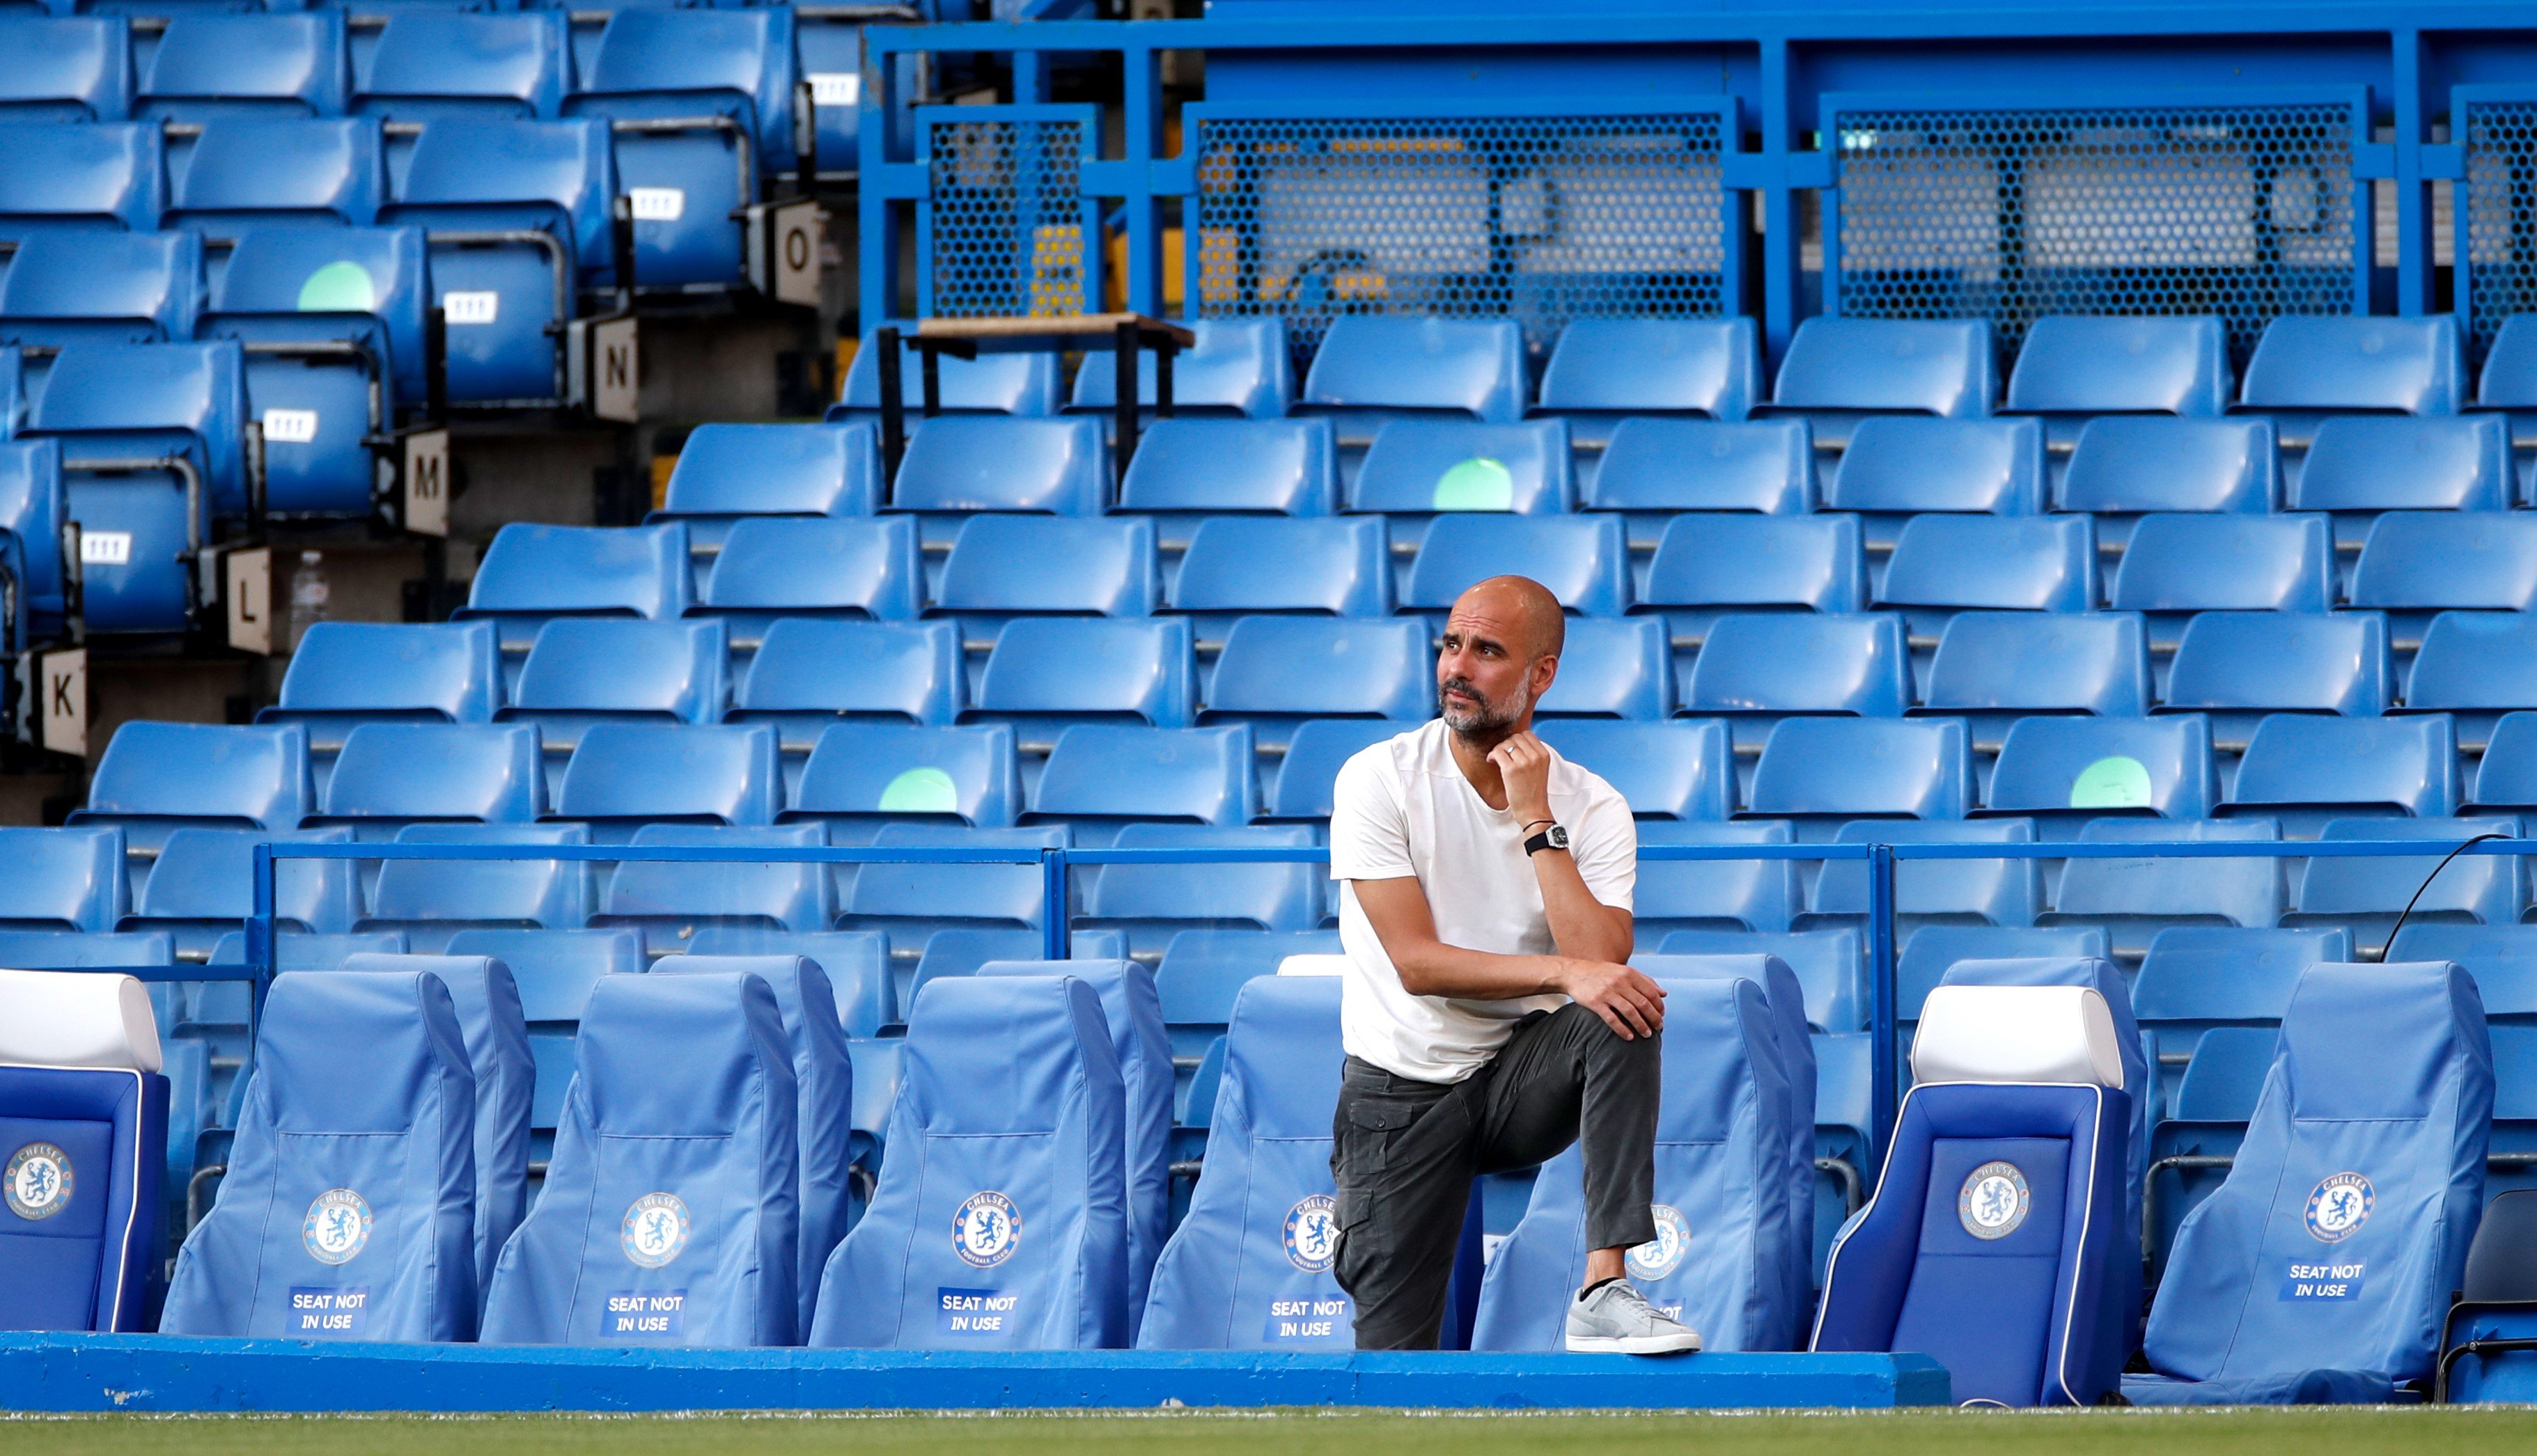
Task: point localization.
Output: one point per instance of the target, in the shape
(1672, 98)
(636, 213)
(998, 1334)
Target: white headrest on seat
(77, 1019)
(1313, 965)
(2016, 1033)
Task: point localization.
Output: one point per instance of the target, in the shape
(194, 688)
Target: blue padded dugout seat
(2503, 958)
(1614, 669)
(1826, 962)
(70, 68)
(62, 880)
(508, 300)
(1665, 770)
(2238, 666)
(2074, 367)
(84, 1110)
(959, 463)
(1203, 972)
(435, 900)
(343, 674)
(1746, 895)
(2134, 899)
(2320, 1269)
(158, 776)
(808, 674)
(1249, 1268)
(861, 775)
(246, 172)
(582, 674)
(201, 886)
(1152, 904)
(105, 174)
(1584, 561)
(555, 971)
(1022, 384)
(1958, 892)
(1236, 565)
(1839, 369)
(1993, 668)
(1757, 669)
(349, 1212)
(2306, 366)
(128, 287)
(915, 900)
(2507, 776)
(626, 774)
(2127, 466)
(2359, 466)
(1375, 367)
(767, 570)
(856, 963)
(2415, 563)
(2303, 769)
(1235, 367)
(1897, 467)
(1603, 372)
(2177, 564)
(211, 66)
(1283, 467)
(1664, 466)
(1314, 753)
(668, 901)
(1052, 672)
(393, 773)
(534, 574)
(960, 950)
(1994, 1238)
(1943, 564)
(428, 64)
(728, 473)
(689, 183)
(496, 1036)
(1110, 771)
(823, 1077)
(2365, 895)
(1421, 467)
(1708, 565)
(2063, 771)
(669, 1213)
(1009, 1130)
(1002, 567)
(1726, 1149)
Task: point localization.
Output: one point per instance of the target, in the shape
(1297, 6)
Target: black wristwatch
(1553, 837)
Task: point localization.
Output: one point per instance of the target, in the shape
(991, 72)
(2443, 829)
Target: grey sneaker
(1617, 1319)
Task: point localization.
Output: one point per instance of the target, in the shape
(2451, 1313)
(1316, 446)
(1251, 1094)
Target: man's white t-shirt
(1403, 808)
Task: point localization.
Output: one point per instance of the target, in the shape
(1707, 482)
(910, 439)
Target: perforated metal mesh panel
(1540, 218)
(1005, 214)
(2242, 212)
(2501, 203)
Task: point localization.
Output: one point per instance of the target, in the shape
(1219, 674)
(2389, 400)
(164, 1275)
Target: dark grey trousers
(1404, 1152)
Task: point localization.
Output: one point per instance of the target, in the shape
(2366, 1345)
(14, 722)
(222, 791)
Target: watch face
(1558, 836)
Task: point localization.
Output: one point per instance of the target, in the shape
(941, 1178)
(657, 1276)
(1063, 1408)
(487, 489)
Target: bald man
(1490, 1014)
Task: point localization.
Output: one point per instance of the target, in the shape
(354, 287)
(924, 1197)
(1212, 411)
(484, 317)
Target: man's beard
(1489, 722)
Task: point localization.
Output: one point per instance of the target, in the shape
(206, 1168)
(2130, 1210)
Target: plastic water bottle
(307, 594)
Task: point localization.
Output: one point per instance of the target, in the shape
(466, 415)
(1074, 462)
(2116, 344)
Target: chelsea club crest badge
(1312, 1233)
(985, 1228)
(39, 1181)
(656, 1229)
(337, 1227)
(1663, 1254)
(1994, 1201)
(2339, 1206)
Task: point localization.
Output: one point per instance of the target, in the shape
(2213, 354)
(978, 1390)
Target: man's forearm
(1431, 967)
(1581, 925)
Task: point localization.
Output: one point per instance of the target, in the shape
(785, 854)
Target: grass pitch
(2452, 1432)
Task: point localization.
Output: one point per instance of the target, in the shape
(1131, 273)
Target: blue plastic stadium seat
(105, 174)
(2242, 665)
(69, 68)
(1725, 1145)
(2507, 776)
(2176, 564)
(1604, 370)
(1994, 1241)
(2136, 899)
(1249, 1267)
(1928, 892)
(2062, 771)
(2196, 977)
(1010, 1119)
(1707, 566)
(2365, 895)
(1754, 669)
(1715, 894)
(211, 66)
(583, 673)
(1815, 769)
(825, 1099)
(1236, 565)
(1283, 467)
(670, 1212)
(727, 473)
(2359, 1182)
(1313, 754)
(1047, 467)
(431, 64)
(1049, 672)
(555, 972)
(1421, 467)
(990, 384)
(628, 774)
(1944, 564)
(854, 963)
(2127, 466)
(1665, 771)
(145, 402)
(913, 901)
(2503, 958)
(1837, 370)
(1825, 962)
(688, 183)
(201, 886)
(251, 172)
(668, 901)
(1203, 974)
(1930, 952)
(534, 574)
(1374, 367)
(2307, 365)
(809, 673)
(2079, 366)
(1614, 669)
(1151, 904)
(1993, 667)
(393, 773)
(2359, 467)
(960, 951)
(125, 288)
(62, 880)
(2417, 562)
(1236, 367)
(863, 774)
(1700, 464)
(1901, 466)
(1584, 561)
(157, 775)
(433, 902)
(2304, 769)
(506, 301)
(346, 673)
(349, 1212)
(766, 570)
(84, 1099)
(1105, 772)
(1005, 566)
(31, 549)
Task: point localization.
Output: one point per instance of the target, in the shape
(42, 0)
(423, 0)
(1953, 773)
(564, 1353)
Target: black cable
(2427, 884)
